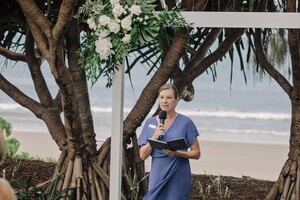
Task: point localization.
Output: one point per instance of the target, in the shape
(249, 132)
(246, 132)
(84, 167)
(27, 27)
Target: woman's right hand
(146, 150)
(159, 132)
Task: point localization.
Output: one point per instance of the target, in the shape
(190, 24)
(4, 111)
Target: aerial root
(287, 185)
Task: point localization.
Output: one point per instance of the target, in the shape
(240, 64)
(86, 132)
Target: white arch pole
(199, 19)
(117, 134)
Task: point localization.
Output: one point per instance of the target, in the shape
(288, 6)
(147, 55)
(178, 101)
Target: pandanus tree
(287, 185)
(47, 31)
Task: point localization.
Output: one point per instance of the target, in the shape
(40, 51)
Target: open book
(173, 145)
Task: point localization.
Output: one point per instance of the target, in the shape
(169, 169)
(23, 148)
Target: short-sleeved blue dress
(170, 176)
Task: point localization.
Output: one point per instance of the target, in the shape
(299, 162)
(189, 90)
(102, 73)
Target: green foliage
(12, 143)
(28, 190)
(12, 146)
(6, 126)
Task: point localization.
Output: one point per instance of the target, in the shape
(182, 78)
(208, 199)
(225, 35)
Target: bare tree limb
(278, 77)
(64, 17)
(215, 56)
(19, 97)
(32, 14)
(202, 50)
(12, 55)
(34, 65)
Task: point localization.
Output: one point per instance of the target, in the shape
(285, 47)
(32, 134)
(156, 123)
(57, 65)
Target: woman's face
(167, 100)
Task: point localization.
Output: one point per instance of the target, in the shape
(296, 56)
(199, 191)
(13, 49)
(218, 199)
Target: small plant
(215, 188)
(135, 186)
(220, 189)
(200, 188)
(28, 190)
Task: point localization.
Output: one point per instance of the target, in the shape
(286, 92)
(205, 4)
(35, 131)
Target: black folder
(173, 145)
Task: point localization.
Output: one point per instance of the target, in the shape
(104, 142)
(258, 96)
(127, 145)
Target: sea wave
(197, 113)
(245, 136)
(245, 131)
(216, 114)
(239, 115)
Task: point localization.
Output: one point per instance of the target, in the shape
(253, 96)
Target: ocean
(256, 112)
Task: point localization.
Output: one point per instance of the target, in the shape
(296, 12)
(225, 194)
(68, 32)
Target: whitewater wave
(197, 113)
(224, 131)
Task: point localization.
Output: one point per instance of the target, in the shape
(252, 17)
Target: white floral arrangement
(117, 27)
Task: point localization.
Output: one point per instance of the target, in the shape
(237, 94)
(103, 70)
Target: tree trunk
(287, 185)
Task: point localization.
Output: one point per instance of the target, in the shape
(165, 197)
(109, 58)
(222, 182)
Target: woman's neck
(171, 115)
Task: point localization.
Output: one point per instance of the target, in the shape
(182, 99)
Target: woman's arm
(146, 150)
(193, 153)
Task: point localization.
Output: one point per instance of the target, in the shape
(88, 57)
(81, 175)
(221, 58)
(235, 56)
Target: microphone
(162, 116)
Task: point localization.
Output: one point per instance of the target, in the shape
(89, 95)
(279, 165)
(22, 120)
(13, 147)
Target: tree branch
(19, 97)
(202, 50)
(12, 55)
(215, 56)
(64, 17)
(34, 65)
(39, 25)
(33, 14)
(276, 75)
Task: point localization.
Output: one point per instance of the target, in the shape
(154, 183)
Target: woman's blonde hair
(168, 86)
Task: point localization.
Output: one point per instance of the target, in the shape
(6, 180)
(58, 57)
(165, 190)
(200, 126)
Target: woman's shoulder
(151, 120)
(184, 117)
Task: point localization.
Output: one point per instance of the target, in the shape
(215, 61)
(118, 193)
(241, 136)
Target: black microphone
(162, 116)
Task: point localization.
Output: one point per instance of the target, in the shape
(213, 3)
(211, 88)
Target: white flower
(146, 17)
(104, 20)
(102, 33)
(114, 27)
(126, 39)
(103, 47)
(114, 2)
(118, 10)
(126, 23)
(91, 24)
(136, 10)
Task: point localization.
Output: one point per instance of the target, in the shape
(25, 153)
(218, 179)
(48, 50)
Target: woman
(170, 175)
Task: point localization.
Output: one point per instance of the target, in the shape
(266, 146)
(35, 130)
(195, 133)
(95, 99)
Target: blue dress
(170, 176)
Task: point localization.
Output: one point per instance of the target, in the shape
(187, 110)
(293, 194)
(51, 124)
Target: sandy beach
(262, 161)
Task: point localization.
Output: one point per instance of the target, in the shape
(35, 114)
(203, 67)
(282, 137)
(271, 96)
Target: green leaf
(12, 146)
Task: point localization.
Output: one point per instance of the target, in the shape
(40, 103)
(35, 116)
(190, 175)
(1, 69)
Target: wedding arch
(198, 19)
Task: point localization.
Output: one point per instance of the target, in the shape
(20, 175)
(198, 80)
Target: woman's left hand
(169, 152)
